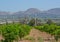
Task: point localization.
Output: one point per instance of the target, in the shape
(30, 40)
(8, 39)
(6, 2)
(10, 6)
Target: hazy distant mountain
(32, 11)
(4, 13)
(37, 11)
(52, 13)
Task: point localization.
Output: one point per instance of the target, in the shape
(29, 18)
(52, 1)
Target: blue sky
(17, 5)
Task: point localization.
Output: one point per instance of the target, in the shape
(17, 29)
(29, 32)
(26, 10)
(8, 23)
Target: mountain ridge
(34, 10)
(52, 13)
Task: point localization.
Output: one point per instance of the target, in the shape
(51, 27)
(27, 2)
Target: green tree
(49, 21)
(32, 22)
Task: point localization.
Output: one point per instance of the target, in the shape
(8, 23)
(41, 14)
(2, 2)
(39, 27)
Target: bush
(51, 29)
(12, 32)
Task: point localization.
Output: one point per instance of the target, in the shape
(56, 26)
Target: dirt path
(36, 34)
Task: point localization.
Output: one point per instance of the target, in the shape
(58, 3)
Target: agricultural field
(17, 32)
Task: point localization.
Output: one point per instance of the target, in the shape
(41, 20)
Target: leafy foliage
(51, 29)
(11, 31)
(32, 22)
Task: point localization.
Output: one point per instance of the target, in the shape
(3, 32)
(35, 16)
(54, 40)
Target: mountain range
(31, 13)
